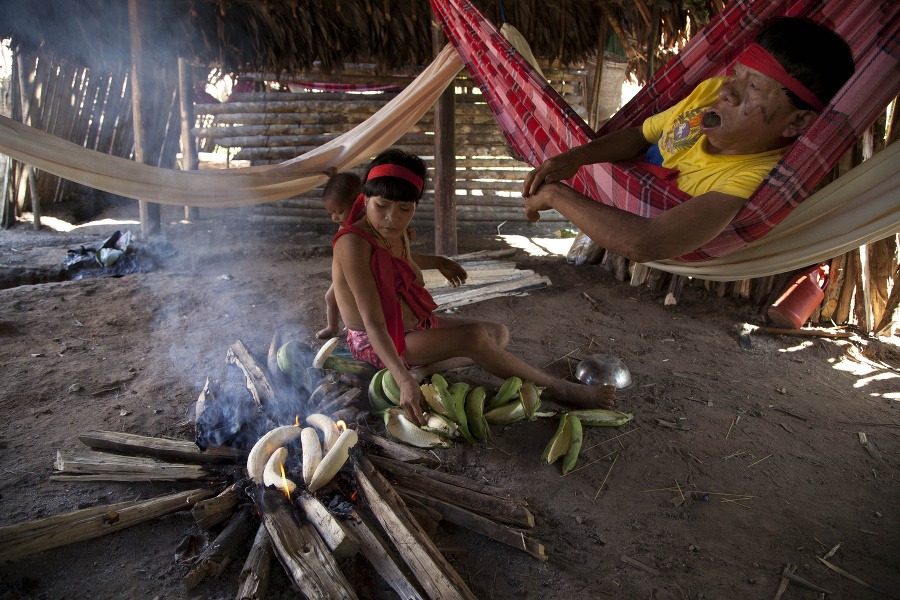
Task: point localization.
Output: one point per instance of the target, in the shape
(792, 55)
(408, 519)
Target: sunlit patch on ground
(539, 246)
(63, 226)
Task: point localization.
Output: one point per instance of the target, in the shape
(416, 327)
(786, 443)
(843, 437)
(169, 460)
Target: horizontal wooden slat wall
(274, 125)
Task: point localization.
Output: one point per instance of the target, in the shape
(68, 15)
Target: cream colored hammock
(860, 207)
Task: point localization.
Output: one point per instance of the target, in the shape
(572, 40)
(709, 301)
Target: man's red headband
(758, 58)
(389, 170)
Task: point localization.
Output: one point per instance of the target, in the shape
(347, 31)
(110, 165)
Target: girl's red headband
(390, 170)
(758, 58)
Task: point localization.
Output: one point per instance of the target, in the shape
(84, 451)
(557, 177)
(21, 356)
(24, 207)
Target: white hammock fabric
(233, 187)
(860, 207)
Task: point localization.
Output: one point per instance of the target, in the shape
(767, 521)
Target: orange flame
(284, 484)
(341, 426)
(296, 420)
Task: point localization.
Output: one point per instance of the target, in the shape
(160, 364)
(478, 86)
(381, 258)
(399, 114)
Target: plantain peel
(601, 417)
(508, 391)
(574, 449)
(559, 443)
(404, 430)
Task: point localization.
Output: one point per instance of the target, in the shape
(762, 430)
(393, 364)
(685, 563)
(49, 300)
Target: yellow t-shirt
(676, 131)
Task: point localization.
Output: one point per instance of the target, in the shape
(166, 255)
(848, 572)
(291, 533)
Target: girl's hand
(411, 401)
(453, 271)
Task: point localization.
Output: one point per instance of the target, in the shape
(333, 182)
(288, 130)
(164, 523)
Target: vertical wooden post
(653, 42)
(149, 211)
(189, 158)
(593, 116)
(445, 240)
(28, 180)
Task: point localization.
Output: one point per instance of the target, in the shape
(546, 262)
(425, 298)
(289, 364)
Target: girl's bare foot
(585, 396)
(327, 333)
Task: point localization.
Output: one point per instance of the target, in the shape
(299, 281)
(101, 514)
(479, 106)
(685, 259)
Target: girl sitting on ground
(390, 315)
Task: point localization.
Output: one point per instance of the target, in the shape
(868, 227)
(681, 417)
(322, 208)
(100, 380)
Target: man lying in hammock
(723, 139)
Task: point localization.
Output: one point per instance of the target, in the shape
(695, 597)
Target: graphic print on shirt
(684, 133)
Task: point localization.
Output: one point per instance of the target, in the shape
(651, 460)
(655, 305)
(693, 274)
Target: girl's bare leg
(478, 341)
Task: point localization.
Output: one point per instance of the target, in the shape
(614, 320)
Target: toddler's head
(339, 195)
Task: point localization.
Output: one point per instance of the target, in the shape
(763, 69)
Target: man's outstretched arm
(673, 233)
(623, 144)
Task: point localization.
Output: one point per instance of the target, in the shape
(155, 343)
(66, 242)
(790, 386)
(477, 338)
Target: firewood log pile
(380, 505)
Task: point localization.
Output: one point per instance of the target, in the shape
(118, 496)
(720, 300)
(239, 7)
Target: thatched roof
(296, 35)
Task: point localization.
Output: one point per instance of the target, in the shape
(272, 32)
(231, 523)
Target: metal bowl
(600, 369)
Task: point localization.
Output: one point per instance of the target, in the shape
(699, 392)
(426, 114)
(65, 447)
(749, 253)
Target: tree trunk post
(149, 211)
(28, 180)
(445, 240)
(189, 157)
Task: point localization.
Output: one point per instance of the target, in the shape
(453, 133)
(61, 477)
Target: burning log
(86, 465)
(478, 524)
(436, 576)
(342, 401)
(229, 421)
(378, 553)
(301, 551)
(218, 555)
(396, 451)
(23, 539)
(253, 582)
(326, 392)
(350, 414)
(211, 512)
(258, 383)
(338, 540)
(456, 490)
(178, 450)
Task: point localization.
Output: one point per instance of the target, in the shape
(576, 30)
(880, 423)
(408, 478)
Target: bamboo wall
(272, 126)
(85, 108)
(73, 104)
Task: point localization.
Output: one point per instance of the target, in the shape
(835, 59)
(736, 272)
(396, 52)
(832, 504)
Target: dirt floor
(738, 461)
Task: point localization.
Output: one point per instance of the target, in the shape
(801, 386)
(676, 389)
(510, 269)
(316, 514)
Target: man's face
(753, 114)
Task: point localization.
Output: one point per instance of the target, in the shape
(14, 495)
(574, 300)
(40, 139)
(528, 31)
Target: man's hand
(539, 201)
(453, 271)
(554, 169)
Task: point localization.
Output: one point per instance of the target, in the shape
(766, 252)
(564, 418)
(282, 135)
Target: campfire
(297, 467)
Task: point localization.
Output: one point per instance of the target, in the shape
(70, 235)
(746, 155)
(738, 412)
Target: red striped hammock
(539, 124)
